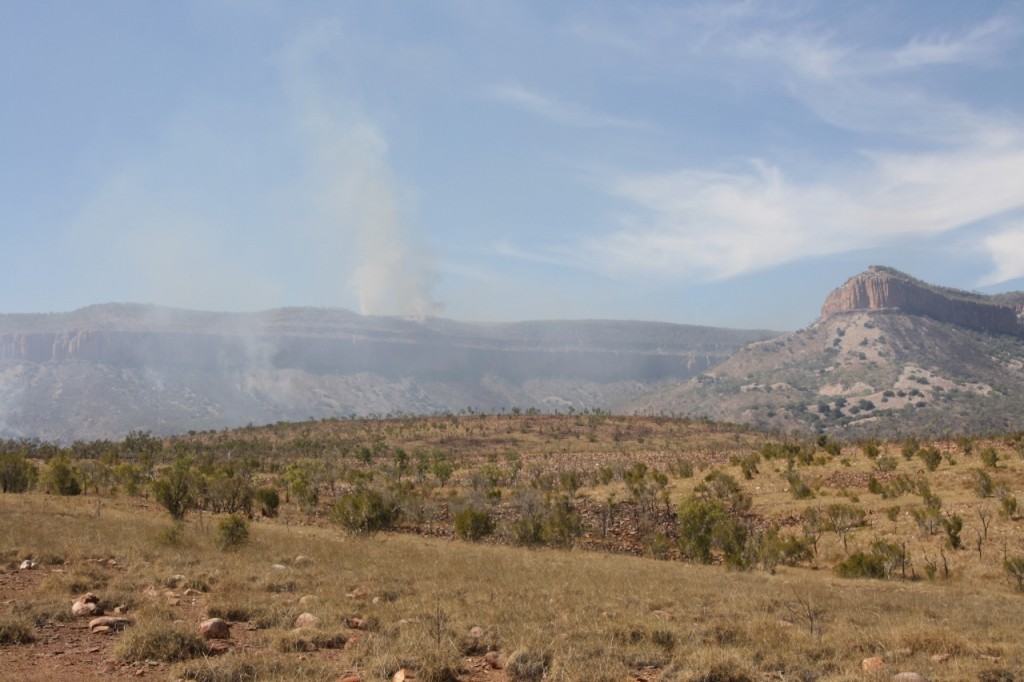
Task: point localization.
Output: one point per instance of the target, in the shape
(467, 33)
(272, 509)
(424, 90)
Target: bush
(989, 457)
(880, 562)
(13, 631)
(232, 532)
(17, 474)
(527, 666)
(931, 457)
(1014, 567)
(365, 511)
(473, 524)
(799, 489)
(166, 642)
(982, 484)
(61, 478)
(268, 500)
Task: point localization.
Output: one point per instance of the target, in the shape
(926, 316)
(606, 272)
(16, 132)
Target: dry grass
(407, 601)
(563, 612)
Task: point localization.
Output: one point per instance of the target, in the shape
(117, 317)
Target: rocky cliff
(885, 289)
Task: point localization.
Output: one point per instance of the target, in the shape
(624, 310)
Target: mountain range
(105, 370)
(889, 355)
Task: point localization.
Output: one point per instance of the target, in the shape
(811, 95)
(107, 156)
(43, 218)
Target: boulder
(356, 623)
(494, 659)
(215, 628)
(306, 620)
(302, 560)
(107, 624)
(909, 677)
(86, 605)
(871, 664)
(27, 565)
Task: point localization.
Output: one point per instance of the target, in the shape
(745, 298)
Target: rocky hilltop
(890, 355)
(105, 370)
(880, 288)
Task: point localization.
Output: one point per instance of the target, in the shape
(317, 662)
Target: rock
(873, 663)
(192, 593)
(302, 560)
(215, 628)
(172, 598)
(309, 600)
(494, 659)
(27, 565)
(402, 675)
(476, 632)
(909, 677)
(86, 605)
(217, 647)
(105, 624)
(306, 620)
(174, 580)
(939, 658)
(878, 288)
(279, 567)
(351, 678)
(356, 623)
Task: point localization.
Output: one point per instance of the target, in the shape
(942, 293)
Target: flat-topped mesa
(885, 289)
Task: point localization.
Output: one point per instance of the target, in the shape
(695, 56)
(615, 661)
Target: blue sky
(722, 163)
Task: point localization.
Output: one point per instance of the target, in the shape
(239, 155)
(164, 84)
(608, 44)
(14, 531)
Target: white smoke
(364, 218)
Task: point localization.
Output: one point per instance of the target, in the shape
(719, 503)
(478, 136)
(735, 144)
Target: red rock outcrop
(884, 289)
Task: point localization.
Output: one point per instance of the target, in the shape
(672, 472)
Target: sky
(716, 163)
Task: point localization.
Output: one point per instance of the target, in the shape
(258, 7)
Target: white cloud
(557, 110)
(1006, 248)
(951, 166)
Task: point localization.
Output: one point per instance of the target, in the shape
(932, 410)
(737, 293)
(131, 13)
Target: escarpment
(885, 289)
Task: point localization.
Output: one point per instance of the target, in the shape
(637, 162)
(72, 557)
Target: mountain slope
(105, 370)
(889, 355)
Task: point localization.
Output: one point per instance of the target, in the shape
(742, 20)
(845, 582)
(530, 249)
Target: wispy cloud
(951, 166)
(1006, 249)
(557, 110)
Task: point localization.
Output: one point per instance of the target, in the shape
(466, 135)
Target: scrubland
(594, 547)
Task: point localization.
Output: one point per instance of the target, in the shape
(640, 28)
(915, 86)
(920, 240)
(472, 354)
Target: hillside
(889, 355)
(103, 371)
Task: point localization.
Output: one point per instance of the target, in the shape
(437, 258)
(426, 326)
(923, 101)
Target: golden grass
(581, 615)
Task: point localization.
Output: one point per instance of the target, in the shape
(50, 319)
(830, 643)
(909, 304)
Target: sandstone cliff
(886, 289)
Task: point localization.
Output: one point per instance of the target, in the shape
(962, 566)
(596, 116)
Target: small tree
(473, 524)
(843, 518)
(174, 488)
(61, 478)
(17, 474)
(232, 533)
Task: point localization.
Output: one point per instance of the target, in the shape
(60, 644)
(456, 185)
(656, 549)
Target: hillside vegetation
(581, 546)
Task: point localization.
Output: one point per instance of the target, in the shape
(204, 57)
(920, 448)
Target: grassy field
(608, 589)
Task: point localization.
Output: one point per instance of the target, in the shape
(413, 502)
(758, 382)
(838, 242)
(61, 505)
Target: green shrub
(473, 524)
(269, 500)
(982, 484)
(15, 631)
(1014, 567)
(799, 489)
(931, 457)
(61, 478)
(989, 457)
(365, 511)
(880, 562)
(232, 532)
(17, 474)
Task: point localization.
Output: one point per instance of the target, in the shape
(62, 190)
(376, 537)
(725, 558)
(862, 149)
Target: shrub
(232, 532)
(799, 489)
(14, 631)
(527, 666)
(982, 484)
(1014, 567)
(61, 478)
(473, 524)
(879, 563)
(931, 457)
(365, 511)
(175, 488)
(886, 463)
(166, 642)
(697, 521)
(989, 457)
(268, 500)
(17, 474)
